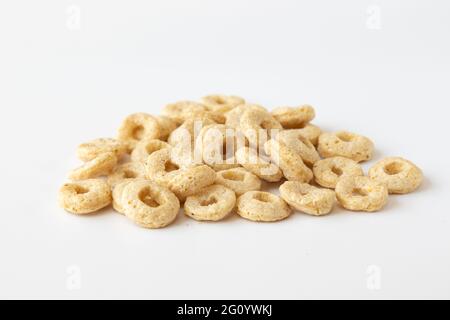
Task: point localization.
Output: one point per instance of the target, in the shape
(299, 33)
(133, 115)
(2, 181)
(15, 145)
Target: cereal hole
(263, 197)
(138, 132)
(234, 176)
(358, 192)
(128, 174)
(393, 168)
(208, 202)
(80, 190)
(346, 137)
(337, 171)
(169, 166)
(145, 197)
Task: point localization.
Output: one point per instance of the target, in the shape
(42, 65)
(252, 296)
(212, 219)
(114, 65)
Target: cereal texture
(222, 103)
(295, 140)
(310, 132)
(146, 147)
(294, 117)
(345, 144)
(233, 117)
(126, 171)
(92, 149)
(166, 126)
(239, 180)
(327, 172)
(262, 206)
(100, 166)
(258, 125)
(117, 192)
(85, 197)
(184, 110)
(138, 126)
(264, 169)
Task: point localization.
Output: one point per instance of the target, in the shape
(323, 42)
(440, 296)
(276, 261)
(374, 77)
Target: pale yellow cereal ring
(183, 110)
(85, 196)
(239, 180)
(294, 117)
(222, 103)
(102, 165)
(258, 126)
(233, 117)
(290, 162)
(160, 168)
(127, 171)
(262, 206)
(146, 147)
(360, 193)
(310, 132)
(400, 175)
(212, 203)
(149, 205)
(307, 198)
(92, 149)
(300, 144)
(166, 126)
(117, 192)
(138, 126)
(345, 144)
(328, 171)
(250, 160)
(189, 130)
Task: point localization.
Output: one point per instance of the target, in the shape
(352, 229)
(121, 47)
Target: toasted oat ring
(160, 168)
(239, 180)
(102, 165)
(262, 206)
(310, 132)
(126, 171)
(233, 117)
(308, 199)
(328, 171)
(294, 117)
(300, 144)
(117, 192)
(345, 144)
(146, 147)
(212, 203)
(92, 149)
(183, 110)
(138, 126)
(149, 205)
(250, 160)
(290, 162)
(189, 130)
(166, 126)
(85, 196)
(255, 122)
(222, 103)
(360, 193)
(400, 175)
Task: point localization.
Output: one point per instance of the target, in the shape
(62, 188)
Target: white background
(379, 68)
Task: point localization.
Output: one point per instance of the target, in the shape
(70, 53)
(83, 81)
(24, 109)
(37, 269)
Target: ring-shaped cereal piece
(102, 165)
(149, 205)
(400, 175)
(307, 198)
(264, 169)
(183, 110)
(300, 144)
(138, 126)
(222, 103)
(233, 117)
(83, 197)
(345, 144)
(126, 171)
(239, 180)
(310, 132)
(212, 203)
(146, 147)
(258, 125)
(360, 193)
(117, 192)
(92, 149)
(166, 126)
(262, 206)
(327, 172)
(289, 161)
(294, 117)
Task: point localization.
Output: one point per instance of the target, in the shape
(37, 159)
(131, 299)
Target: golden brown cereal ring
(149, 205)
(294, 117)
(146, 147)
(239, 180)
(166, 126)
(300, 144)
(102, 165)
(290, 162)
(92, 149)
(345, 144)
(264, 169)
(84, 197)
(262, 206)
(138, 126)
(255, 122)
(127, 171)
(328, 171)
(222, 103)
(183, 110)
(360, 193)
(233, 117)
(212, 203)
(400, 175)
(307, 198)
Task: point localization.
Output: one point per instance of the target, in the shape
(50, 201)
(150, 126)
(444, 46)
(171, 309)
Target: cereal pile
(213, 156)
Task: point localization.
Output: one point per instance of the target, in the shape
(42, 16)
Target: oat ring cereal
(126, 171)
(300, 144)
(328, 171)
(307, 198)
(400, 175)
(262, 206)
(138, 126)
(239, 180)
(310, 132)
(149, 205)
(85, 196)
(117, 192)
(183, 110)
(222, 103)
(212, 203)
(146, 147)
(264, 169)
(258, 125)
(233, 117)
(360, 193)
(294, 117)
(345, 144)
(99, 166)
(92, 149)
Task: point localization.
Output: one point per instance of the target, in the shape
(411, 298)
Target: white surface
(60, 86)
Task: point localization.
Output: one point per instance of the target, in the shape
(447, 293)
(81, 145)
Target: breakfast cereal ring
(290, 163)
(146, 147)
(166, 126)
(126, 171)
(310, 132)
(212, 203)
(328, 171)
(300, 144)
(360, 193)
(250, 160)
(84, 197)
(189, 130)
(102, 165)
(239, 180)
(117, 192)
(92, 149)
(183, 110)
(308, 199)
(222, 103)
(294, 117)
(149, 205)
(254, 123)
(138, 126)
(345, 144)
(160, 168)
(400, 175)
(262, 206)
(233, 117)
